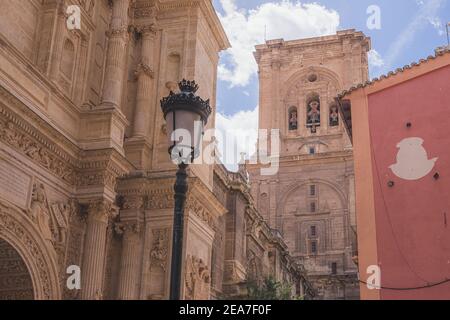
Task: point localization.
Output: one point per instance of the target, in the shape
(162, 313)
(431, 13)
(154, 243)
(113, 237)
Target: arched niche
(295, 198)
(173, 67)
(313, 109)
(292, 118)
(307, 79)
(17, 229)
(68, 59)
(333, 115)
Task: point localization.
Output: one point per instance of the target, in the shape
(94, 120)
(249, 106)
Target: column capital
(128, 228)
(120, 32)
(144, 69)
(146, 30)
(102, 210)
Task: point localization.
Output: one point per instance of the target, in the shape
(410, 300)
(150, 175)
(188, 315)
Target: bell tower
(310, 201)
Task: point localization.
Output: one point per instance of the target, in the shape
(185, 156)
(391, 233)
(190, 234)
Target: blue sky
(421, 22)
(409, 30)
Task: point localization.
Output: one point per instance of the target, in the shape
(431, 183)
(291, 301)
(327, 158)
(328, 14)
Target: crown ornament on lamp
(187, 100)
(188, 86)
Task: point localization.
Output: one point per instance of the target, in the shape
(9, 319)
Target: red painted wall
(413, 217)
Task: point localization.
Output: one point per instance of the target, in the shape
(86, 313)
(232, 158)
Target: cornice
(209, 13)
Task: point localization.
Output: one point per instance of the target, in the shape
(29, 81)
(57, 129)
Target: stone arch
(296, 80)
(17, 229)
(289, 190)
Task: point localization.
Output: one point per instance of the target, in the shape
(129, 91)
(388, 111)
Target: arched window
(293, 118)
(68, 59)
(313, 111)
(334, 116)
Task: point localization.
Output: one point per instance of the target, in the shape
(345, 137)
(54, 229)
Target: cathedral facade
(311, 199)
(86, 182)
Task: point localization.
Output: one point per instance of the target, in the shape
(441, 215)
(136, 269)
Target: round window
(312, 77)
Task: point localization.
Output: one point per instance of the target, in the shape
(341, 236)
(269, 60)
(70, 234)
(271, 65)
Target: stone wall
(83, 148)
(253, 251)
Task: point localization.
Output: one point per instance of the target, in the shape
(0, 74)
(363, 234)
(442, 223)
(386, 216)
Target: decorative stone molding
(160, 248)
(200, 211)
(35, 151)
(197, 279)
(102, 210)
(161, 200)
(144, 10)
(128, 227)
(133, 202)
(19, 231)
(145, 69)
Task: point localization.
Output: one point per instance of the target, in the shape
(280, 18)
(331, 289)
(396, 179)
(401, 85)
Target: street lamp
(186, 115)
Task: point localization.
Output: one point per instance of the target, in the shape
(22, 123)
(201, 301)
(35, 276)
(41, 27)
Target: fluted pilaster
(144, 74)
(95, 249)
(129, 264)
(115, 62)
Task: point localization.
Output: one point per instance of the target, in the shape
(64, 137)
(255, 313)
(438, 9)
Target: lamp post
(186, 115)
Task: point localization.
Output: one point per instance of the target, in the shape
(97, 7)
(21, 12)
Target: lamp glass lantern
(186, 115)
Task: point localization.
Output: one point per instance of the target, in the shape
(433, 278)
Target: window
(313, 247)
(312, 190)
(313, 231)
(312, 150)
(312, 206)
(334, 268)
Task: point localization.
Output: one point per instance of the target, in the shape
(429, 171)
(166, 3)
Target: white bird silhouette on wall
(412, 160)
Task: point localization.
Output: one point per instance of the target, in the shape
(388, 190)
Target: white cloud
(375, 59)
(437, 24)
(236, 134)
(428, 9)
(285, 19)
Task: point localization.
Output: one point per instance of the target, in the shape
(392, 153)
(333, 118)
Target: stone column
(115, 61)
(129, 264)
(144, 74)
(58, 40)
(99, 213)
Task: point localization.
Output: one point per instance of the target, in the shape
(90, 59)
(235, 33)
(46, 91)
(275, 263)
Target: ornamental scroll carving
(158, 264)
(197, 279)
(199, 210)
(144, 10)
(160, 201)
(133, 202)
(160, 248)
(34, 150)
